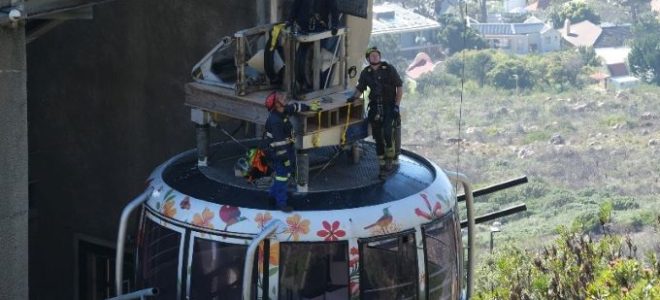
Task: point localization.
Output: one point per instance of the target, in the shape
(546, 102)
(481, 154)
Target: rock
(648, 116)
(654, 142)
(519, 129)
(524, 153)
(454, 140)
(581, 106)
(645, 132)
(621, 95)
(556, 139)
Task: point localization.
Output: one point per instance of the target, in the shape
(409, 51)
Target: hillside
(579, 149)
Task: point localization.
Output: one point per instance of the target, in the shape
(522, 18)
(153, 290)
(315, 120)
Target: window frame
(347, 268)
(148, 215)
(450, 217)
(224, 239)
(411, 232)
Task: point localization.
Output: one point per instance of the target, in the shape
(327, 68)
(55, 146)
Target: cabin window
(159, 259)
(313, 271)
(216, 270)
(442, 259)
(388, 268)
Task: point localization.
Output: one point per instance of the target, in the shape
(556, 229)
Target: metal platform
(341, 184)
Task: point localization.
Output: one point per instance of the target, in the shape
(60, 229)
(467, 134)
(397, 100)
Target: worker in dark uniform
(386, 90)
(280, 138)
(314, 15)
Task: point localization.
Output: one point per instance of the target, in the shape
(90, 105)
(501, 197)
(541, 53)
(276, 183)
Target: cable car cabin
(207, 234)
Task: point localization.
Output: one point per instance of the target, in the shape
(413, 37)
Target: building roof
(613, 55)
(393, 18)
(538, 5)
(599, 76)
(421, 65)
(655, 5)
(613, 35)
(507, 28)
(582, 34)
(617, 70)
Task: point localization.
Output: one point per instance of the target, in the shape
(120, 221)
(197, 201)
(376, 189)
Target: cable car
(205, 233)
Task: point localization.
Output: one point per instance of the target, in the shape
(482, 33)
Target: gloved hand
(315, 105)
(334, 30)
(351, 99)
(304, 107)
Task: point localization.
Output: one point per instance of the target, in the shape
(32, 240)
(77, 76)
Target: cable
(460, 107)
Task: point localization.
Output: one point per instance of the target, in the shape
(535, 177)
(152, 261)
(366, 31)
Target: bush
(572, 267)
(624, 203)
(438, 78)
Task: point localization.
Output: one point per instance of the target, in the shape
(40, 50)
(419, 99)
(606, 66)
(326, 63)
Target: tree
(644, 58)
(575, 11)
(565, 70)
(477, 65)
(510, 74)
(647, 23)
(589, 56)
(634, 6)
(455, 36)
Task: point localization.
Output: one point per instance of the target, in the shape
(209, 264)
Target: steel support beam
(13, 161)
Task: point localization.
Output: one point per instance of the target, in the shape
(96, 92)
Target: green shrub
(624, 203)
(572, 267)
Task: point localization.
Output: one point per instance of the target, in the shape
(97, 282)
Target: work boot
(385, 170)
(285, 208)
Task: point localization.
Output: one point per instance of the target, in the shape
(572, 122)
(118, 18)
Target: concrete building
(413, 31)
(104, 100)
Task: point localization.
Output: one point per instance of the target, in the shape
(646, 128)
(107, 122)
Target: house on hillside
(539, 5)
(587, 34)
(532, 36)
(614, 35)
(620, 77)
(514, 6)
(413, 31)
(655, 6)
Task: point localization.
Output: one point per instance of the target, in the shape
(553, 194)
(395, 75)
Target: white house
(533, 36)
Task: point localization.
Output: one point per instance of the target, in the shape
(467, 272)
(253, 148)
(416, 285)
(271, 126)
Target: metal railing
(249, 257)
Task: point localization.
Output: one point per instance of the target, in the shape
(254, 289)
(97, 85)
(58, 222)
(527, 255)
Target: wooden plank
(223, 101)
(310, 37)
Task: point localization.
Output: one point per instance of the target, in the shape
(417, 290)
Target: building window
(313, 271)
(440, 239)
(96, 271)
(158, 253)
(388, 268)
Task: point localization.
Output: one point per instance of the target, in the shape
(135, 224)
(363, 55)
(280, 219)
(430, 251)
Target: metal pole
(13, 155)
(121, 237)
(469, 205)
(249, 257)
(491, 242)
(137, 294)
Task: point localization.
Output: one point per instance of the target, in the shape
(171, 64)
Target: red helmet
(270, 101)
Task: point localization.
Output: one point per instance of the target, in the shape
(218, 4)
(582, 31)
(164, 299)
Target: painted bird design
(384, 220)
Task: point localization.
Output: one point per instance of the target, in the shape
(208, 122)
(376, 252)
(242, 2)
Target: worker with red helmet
(385, 93)
(280, 139)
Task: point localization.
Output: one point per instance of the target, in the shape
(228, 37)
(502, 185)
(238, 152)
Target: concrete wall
(105, 108)
(13, 164)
